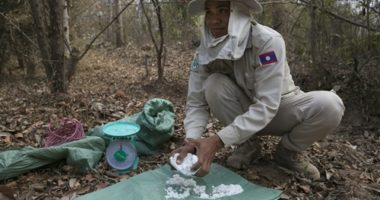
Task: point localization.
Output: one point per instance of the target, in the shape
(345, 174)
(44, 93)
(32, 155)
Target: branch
(274, 2)
(19, 29)
(149, 26)
(375, 11)
(305, 3)
(104, 29)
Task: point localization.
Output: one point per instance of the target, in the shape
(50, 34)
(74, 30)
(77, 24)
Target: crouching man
(240, 74)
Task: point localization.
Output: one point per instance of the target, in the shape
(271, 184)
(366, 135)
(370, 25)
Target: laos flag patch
(268, 58)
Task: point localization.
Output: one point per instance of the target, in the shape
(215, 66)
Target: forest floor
(110, 85)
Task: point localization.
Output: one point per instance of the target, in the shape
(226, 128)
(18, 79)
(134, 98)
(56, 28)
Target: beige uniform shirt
(262, 73)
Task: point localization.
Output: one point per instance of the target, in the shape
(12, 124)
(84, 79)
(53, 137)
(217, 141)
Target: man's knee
(328, 108)
(216, 86)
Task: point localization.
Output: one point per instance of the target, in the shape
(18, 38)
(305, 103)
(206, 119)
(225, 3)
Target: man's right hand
(183, 151)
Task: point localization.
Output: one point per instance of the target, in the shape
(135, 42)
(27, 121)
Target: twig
(371, 188)
(305, 3)
(102, 31)
(149, 26)
(19, 29)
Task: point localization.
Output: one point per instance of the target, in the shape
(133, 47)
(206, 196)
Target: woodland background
(101, 60)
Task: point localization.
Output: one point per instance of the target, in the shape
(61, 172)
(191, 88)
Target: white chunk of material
(185, 166)
(178, 180)
(172, 193)
(225, 190)
(181, 188)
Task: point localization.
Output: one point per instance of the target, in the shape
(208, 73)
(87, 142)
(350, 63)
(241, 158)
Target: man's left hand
(206, 149)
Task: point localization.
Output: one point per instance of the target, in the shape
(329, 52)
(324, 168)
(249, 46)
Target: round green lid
(121, 129)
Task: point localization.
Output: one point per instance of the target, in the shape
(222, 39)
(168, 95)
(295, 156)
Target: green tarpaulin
(151, 185)
(83, 154)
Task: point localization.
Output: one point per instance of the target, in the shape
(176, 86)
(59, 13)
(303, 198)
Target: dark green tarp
(151, 185)
(83, 154)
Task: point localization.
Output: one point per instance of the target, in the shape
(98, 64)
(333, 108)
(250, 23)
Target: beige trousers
(302, 118)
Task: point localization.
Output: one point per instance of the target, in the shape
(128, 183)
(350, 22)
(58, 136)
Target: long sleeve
(267, 82)
(197, 112)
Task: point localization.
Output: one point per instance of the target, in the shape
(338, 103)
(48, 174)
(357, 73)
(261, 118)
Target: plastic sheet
(151, 185)
(83, 154)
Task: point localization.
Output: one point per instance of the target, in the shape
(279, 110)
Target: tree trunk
(119, 25)
(66, 28)
(41, 31)
(50, 22)
(30, 68)
(313, 34)
(71, 64)
(313, 39)
(368, 20)
(110, 29)
(160, 50)
(158, 45)
(58, 82)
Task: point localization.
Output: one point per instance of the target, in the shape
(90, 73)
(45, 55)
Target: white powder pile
(174, 193)
(225, 190)
(180, 188)
(179, 181)
(185, 166)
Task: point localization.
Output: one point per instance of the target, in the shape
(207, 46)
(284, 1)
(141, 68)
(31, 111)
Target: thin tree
(157, 42)
(119, 25)
(39, 19)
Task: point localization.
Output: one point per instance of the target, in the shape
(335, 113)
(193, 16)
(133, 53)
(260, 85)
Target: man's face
(217, 17)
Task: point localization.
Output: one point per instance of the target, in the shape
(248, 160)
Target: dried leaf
(19, 135)
(6, 193)
(366, 134)
(5, 137)
(102, 185)
(67, 168)
(38, 138)
(34, 126)
(305, 188)
(374, 188)
(84, 190)
(285, 196)
(39, 187)
(111, 174)
(72, 182)
(172, 146)
(328, 175)
(61, 182)
(209, 125)
(89, 178)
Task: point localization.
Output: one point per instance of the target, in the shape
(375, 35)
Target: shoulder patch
(194, 64)
(268, 58)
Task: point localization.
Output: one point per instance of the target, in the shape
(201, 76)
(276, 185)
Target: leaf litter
(109, 85)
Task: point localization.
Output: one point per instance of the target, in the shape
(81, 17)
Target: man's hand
(206, 149)
(183, 151)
